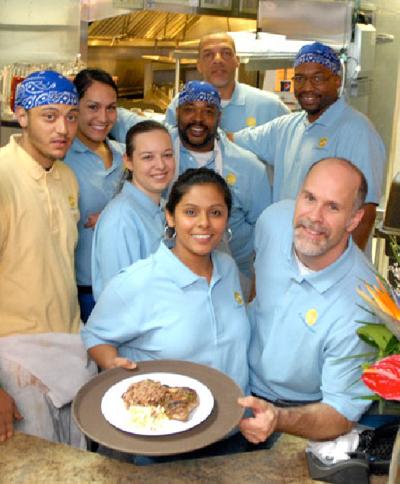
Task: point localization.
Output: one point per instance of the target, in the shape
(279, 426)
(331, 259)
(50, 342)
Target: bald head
(219, 37)
(356, 178)
(217, 62)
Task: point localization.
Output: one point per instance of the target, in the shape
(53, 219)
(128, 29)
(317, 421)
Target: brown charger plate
(224, 417)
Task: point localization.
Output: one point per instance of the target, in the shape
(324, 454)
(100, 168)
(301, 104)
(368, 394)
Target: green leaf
(371, 355)
(368, 397)
(359, 321)
(393, 347)
(376, 335)
(367, 310)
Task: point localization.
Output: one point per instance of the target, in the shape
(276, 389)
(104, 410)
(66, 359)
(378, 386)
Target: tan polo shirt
(38, 235)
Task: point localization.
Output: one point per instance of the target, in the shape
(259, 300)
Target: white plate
(114, 410)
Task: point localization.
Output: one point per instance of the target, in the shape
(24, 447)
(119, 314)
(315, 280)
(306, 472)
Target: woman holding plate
(181, 303)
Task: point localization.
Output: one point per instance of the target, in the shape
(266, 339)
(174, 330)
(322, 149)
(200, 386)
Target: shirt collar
(176, 270)
(326, 278)
(238, 96)
(329, 117)
(183, 149)
(140, 197)
(31, 166)
(80, 147)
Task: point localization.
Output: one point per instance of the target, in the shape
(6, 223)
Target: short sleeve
(116, 245)
(342, 388)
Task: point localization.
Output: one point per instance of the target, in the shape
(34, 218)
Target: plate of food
(157, 404)
(216, 416)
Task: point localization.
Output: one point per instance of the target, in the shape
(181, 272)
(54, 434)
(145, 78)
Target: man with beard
(42, 360)
(326, 127)
(199, 142)
(242, 105)
(306, 309)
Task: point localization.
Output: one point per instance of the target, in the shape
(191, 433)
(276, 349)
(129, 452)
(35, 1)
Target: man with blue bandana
(242, 105)
(306, 310)
(326, 127)
(39, 313)
(199, 142)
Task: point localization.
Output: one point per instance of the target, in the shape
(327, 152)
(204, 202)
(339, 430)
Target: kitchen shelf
(37, 28)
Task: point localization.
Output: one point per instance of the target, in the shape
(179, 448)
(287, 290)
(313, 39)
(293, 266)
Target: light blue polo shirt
(251, 194)
(248, 107)
(125, 120)
(96, 187)
(291, 144)
(158, 308)
(129, 228)
(303, 325)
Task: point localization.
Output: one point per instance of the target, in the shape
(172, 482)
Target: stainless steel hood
(142, 27)
(128, 46)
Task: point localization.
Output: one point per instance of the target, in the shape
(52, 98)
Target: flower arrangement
(383, 376)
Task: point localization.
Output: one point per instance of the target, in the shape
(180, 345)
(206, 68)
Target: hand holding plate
(120, 362)
(258, 428)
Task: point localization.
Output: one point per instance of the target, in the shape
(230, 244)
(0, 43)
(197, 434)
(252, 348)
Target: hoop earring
(169, 232)
(229, 233)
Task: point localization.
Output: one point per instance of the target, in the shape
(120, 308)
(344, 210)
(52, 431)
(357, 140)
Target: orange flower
(381, 298)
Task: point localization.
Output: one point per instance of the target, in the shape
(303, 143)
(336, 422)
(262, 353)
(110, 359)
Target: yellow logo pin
(231, 179)
(238, 297)
(72, 201)
(323, 142)
(251, 122)
(311, 317)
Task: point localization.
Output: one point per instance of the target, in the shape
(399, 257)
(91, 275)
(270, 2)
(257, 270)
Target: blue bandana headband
(43, 88)
(320, 54)
(199, 91)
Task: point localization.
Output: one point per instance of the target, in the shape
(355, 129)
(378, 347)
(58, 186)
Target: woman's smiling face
(97, 113)
(199, 220)
(152, 163)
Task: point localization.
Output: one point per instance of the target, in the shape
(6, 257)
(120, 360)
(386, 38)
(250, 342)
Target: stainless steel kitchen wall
(326, 20)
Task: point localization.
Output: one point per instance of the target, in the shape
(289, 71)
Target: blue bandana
(43, 88)
(320, 54)
(199, 91)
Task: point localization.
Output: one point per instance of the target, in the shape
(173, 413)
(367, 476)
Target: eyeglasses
(316, 79)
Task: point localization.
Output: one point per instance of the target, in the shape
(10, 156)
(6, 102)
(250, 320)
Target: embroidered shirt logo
(72, 201)
(231, 179)
(238, 297)
(251, 122)
(322, 142)
(311, 317)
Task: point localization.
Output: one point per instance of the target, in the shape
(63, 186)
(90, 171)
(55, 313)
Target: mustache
(315, 226)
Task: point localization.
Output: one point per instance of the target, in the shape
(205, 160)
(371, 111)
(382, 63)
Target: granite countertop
(27, 459)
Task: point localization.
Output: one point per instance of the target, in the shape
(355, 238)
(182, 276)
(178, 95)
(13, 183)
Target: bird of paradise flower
(382, 301)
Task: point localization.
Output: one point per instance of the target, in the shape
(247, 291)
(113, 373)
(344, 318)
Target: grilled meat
(178, 402)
